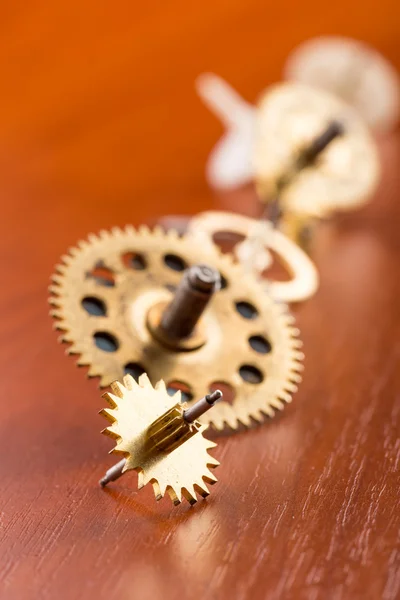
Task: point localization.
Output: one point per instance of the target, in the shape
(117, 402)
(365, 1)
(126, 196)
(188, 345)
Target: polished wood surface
(100, 125)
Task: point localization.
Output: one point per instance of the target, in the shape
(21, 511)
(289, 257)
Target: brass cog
(135, 407)
(251, 345)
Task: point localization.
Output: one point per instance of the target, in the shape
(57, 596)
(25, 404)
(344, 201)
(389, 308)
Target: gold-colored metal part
(261, 236)
(128, 302)
(158, 444)
(171, 430)
(290, 117)
(195, 341)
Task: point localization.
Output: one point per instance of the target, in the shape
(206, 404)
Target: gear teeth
(157, 490)
(129, 230)
(105, 380)
(190, 495)
(92, 238)
(285, 397)
(82, 362)
(108, 414)
(141, 481)
(202, 489)
(74, 251)
(158, 230)
(54, 289)
(61, 269)
(290, 387)
(129, 382)
(278, 404)
(144, 380)
(117, 231)
(212, 462)
(111, 399)
(172, 234)
(144, 230)
(160, 386)
(93, 371)
(118, 389)
(66, 259)
(113, 434)
(175, 495)
(210, 477)
(295, 377)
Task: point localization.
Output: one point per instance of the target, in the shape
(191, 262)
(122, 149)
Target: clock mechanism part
(136, 301)
(260, 237)
(313, 154)
(230, 162)
(354, 72)
(160, 438)
(310, 154)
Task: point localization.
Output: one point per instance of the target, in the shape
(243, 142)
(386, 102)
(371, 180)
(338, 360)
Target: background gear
(103, 292)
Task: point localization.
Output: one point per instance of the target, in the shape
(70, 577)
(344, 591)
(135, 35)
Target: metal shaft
(308, 156)
(202, 406)
(114, 473)
(194, 292)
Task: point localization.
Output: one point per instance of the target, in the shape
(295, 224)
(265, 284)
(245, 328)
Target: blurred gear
(230, 162)
(295, 121)
(111, 291)
(352, 71)
(166, 450)
(253, 252)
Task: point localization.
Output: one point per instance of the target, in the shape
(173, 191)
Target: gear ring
(305, 279)
(135, 287)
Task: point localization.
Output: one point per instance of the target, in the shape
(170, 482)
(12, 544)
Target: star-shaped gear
(181, 470)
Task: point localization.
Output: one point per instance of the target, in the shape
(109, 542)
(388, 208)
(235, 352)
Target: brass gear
(135, 409)
(251, 345)
(290, 116)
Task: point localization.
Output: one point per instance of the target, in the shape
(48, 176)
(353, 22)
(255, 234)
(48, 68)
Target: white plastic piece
(230, 162)
(355, 72)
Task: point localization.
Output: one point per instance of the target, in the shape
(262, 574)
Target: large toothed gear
(102, 295)
(181, 472)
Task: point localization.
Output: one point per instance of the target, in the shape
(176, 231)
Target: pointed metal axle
(189, 416)
(306, 158)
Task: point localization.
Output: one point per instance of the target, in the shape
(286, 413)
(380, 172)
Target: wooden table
(100, 125)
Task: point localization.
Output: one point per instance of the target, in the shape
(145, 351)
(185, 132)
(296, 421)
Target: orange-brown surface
(100, 125)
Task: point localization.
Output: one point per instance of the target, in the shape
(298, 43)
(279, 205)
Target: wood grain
(99, 125)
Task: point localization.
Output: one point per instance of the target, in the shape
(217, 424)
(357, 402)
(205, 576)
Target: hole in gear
(101, 274)
(134, 369)
(227, 240)
(251, 374)
(246, 310)
(94, 306)
(186, 392)
(105, 341)
(224, 281)
(175, 262)
(134, 260)
(260, 344)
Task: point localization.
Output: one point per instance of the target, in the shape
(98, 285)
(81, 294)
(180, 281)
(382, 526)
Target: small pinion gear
(138, 415)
